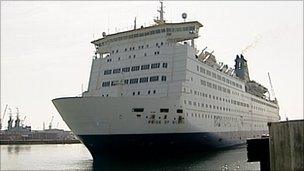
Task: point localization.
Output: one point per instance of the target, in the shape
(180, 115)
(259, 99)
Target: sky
(46, 51)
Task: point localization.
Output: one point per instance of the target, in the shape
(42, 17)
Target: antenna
(161, 14)
(161, 11)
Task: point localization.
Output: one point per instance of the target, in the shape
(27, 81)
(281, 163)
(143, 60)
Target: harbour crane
(50, 125)
(272, 90)
(1, 119)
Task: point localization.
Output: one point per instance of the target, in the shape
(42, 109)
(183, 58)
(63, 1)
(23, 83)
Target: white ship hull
(108, 125)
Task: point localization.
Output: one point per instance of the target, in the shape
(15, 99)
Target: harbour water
(76, 156)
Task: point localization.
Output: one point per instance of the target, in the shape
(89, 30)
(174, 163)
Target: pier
(282, 150)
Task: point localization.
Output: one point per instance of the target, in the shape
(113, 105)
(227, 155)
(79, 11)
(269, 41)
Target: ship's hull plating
(108, 126)
(153, 143)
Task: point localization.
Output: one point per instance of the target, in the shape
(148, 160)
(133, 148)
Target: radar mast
(161, 14)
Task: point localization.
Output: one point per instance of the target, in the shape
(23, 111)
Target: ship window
(191, 28)
(208, 72)
(133, 93)
(106, 84)
(115, 71)
(161, 43)
(144, 67)
(158, 31)
(126, 81)
(166, 110)
(137, 109)
(202, 70)
(203, 82)
(165, 65)
(178, 29)
(218, 77)
(197, 68)
(153, 78)
(179, 111)
(107, 72)
(138, 93)
(154, 91)
(143, 79)
(145, 54)
(163, 78)
(149, 92)
(114, 83)
(135, 68)
(168, 29)
(213, 75)
(155, 65)
(219, 88)
(133, 80)
(126, 69)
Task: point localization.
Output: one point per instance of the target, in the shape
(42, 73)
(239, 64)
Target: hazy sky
(46, 51)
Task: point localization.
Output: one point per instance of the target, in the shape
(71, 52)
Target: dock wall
(286, 141)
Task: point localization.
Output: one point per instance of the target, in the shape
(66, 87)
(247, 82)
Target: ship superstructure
(151, 88)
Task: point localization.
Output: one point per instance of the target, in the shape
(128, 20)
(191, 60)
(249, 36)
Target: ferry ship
(151, 89)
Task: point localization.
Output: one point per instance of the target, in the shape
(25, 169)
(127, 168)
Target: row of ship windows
(198, 93)
(263, 103)
(133, 93)
(215, 86)
(152, 32)
(135, 68)
(211, 116)
(133, 48)
(228, 91)
(219, 121)
(130, 56)
(220, 99)
(216, 76)
(206, 105)
(134, 80)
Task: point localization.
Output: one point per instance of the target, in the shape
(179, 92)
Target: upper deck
(173, 32)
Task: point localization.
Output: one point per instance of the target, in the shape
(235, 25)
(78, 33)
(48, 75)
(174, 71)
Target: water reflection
(17, 148)
(77, 157)
(184, 161)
